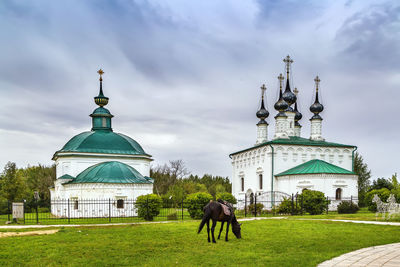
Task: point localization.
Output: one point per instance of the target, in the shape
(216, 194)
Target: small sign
(18, 210)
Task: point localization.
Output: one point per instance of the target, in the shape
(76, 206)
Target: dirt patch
(41, 232)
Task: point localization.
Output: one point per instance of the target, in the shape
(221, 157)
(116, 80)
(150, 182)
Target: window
(75, 201)
(242, 181)
(261, 181)
(104, 122)
(120, 204)
(339, 194)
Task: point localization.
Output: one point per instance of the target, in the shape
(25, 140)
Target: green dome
(111, 172)
(101, 110)
(106, 142)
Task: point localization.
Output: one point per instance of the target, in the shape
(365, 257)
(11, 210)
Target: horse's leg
(220, 230)
(227, 230)
(208, 230)
(214, 223)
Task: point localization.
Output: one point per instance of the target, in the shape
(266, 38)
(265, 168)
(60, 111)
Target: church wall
(75, 165)
(101, 193)
(248, 165)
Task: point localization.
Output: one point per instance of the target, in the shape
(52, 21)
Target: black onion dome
(262, 113)
(298, 115)
(316, 108)
(289, 96)
(281, 105)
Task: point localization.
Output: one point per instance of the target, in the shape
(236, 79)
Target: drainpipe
(272, 177)
(352, 159)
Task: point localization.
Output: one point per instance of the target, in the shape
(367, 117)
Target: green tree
(382, 183)
(364, 176)
(13, 188)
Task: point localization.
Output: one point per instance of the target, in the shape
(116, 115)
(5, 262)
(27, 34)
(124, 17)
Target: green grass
(265, 243)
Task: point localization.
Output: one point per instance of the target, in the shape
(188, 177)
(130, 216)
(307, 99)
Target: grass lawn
(265, 243)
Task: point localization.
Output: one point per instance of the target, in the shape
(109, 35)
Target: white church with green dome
(100, 164)
(287, 163)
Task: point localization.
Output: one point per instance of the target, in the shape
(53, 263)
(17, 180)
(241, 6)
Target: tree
(382, 183)
(13, 187)
(364, 175)
(167, 175)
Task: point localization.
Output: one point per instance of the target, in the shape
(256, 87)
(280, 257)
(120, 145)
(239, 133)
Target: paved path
(354, 221)
(386, 255)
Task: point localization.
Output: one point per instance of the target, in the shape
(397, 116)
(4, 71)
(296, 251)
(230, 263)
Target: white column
(297, 130)
(262, 133)
(290, 123)
(281, 127)
(316, 130)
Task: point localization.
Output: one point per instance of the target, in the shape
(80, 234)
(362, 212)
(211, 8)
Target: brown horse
(215, 212)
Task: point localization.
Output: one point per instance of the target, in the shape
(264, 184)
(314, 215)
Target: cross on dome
(288, 61)
(263, 89)
(280, 78)
(100, 72)
(317, 80)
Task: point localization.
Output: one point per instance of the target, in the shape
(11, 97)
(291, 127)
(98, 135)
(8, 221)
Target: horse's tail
(206, 217)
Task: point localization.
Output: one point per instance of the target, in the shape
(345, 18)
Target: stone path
(42, 232)
(386, 255)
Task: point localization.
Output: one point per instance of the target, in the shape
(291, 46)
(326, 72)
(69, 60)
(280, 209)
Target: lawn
(285, 242)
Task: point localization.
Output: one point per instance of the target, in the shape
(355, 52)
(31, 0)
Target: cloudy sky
(183, 77)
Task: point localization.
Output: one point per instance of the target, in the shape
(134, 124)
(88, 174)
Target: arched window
(339, 194)
(242, 183)
(260, 177)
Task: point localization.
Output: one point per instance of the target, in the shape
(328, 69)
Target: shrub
(347, 207)
(227, 197)
(196, 202)
(314, 202)
(382, 193)
(258, 208)
(286, 207)
(148, 206)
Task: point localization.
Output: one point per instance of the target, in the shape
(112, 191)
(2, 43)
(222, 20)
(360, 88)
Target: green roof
(66, 176)
(106, 142)
(295, 140)
(101, 110)
(111, 172)
(315, 166)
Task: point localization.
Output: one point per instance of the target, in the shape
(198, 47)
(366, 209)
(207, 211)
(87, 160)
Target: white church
(288, 163)
(100, 164)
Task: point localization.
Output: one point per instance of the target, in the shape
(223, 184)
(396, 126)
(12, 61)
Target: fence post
(327, 204)
(292, 204)
(24, 209)
(37, 211)
(351, 199)
(109, 210)
(9, 210)
(255, 205)
(182, 208)
(69, 216)
(245, 205)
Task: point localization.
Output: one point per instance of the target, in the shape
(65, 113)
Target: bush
(314, 202)
(196, 203)
(286, 206)
(148, 206)
(382, 193)
(227, 197)
(347, 207)
(258, 208)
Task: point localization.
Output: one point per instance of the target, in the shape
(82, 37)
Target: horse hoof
(214, 241)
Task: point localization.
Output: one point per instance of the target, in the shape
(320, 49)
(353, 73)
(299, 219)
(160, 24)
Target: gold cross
(287, 61)
(100, 72)
(317, 80)
(296, 91)
(263, 88)
(280, 78)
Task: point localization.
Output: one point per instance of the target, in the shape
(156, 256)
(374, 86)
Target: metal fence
(128, 210)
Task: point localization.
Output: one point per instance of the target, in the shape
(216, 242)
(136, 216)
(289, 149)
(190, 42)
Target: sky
(184, 77)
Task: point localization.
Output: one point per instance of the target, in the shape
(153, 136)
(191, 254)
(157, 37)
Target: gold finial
(317, 80)
(287, 61)
(295, 91)
(263, 89)
(100, 72)
(280, 78)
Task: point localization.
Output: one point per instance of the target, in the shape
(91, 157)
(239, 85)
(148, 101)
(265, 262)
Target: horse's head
(236, 229)
(376, 199)
(391, 199)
